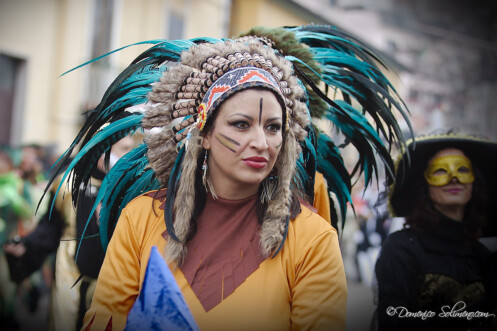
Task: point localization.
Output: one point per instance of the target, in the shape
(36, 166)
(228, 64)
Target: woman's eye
(439, 172)
(276, 127)
(463, 170)
(240, 124)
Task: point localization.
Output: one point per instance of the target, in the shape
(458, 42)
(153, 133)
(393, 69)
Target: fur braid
(185, 201)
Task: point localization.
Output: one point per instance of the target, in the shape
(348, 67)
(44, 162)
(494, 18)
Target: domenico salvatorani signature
(456, 311)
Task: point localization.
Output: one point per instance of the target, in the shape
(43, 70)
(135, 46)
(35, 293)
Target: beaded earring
(206, 180)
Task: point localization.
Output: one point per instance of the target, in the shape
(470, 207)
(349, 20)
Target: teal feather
(146, 182)
(174, 47)
(307, 165)
(330, 164)
(126, 124)
(91, 152)
(100, 116)
(123, 177)
(350, 68)
(125, 169)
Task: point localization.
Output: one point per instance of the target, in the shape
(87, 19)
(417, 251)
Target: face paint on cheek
(279, 145)
(227, 142)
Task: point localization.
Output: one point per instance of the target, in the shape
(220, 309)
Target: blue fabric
(160, 305)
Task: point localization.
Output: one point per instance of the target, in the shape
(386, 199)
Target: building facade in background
(40, 40)
(444, 54)
(447, 51)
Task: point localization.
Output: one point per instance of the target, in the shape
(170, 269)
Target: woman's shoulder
(404, 237)
(149, 205)
(310, 236)
(146, 212)
(402, 244)
(401, 249)
(401, 234)
(309, 223)
(155, 197)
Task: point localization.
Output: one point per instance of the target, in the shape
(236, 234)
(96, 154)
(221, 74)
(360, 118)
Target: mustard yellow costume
(322, 197)
(303, 287)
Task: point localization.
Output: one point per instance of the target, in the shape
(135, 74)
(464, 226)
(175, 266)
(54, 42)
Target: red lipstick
(257, 162)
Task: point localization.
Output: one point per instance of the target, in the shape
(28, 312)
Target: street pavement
(360, 307)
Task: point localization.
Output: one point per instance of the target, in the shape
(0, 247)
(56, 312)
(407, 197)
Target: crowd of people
(240, 193)
(40, 243)
(23, 173)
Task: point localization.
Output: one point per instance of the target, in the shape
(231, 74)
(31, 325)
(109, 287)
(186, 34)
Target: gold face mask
(441, 170)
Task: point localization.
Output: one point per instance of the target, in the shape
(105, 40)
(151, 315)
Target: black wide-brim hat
(412, 162)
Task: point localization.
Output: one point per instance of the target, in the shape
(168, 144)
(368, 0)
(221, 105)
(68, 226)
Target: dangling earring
(206, 180)
(269, 185)
(204, 169)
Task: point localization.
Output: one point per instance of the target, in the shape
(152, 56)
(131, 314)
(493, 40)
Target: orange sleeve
(321, 197)
(118, 282)
(319, 294)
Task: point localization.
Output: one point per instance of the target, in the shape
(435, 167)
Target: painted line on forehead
(260, 111)
(227, 142)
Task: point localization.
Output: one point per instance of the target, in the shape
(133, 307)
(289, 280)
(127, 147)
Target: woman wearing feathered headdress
(230, 137)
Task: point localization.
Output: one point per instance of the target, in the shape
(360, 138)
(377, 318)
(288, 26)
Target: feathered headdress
(178, 85)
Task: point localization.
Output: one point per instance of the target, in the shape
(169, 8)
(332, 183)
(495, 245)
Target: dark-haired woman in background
(433, 271)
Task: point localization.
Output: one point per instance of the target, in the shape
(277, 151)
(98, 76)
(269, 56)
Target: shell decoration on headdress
(171, 90)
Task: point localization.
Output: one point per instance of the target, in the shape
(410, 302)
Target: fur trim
(185, 200)
(162, 150)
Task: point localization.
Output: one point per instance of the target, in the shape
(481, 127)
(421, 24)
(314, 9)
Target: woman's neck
(455, 213)
(227, 190)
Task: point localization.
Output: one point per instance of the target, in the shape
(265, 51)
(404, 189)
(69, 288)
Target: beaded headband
(208, 83)
(235, 81)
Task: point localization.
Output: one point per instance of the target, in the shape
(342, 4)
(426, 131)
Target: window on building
(176, 26)
(100, 71)
(10, 71)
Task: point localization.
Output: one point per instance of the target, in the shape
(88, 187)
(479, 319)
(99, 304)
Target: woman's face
(454, 194)
(244, 142)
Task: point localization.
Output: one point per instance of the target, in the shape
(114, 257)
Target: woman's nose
(454, 179)
(258, 139)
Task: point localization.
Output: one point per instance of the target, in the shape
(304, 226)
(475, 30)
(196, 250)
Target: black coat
(430, 274)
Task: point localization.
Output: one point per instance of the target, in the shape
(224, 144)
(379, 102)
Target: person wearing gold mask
(450, 182)
(436, 268)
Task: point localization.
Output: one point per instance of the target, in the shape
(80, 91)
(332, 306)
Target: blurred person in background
(447, 192)
(60, 230)
(36, 288)
(31, 166)
(31, 170)
(14, 209)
